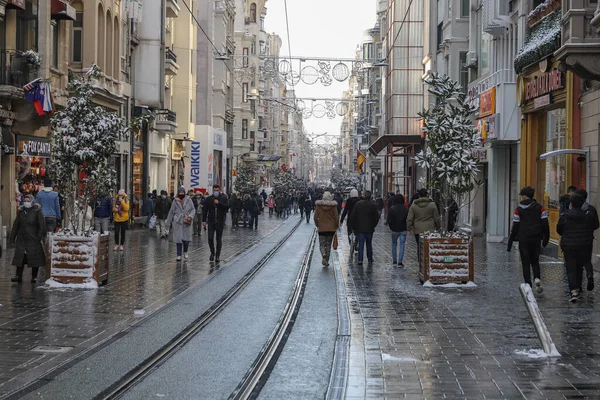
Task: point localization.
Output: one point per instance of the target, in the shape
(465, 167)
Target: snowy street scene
(214, 199)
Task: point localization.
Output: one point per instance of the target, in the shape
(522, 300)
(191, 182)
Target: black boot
(19, 276)
(34, 274)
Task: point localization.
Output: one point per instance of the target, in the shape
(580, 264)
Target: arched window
(109, 41)
(253, 12)
(101, 38)
(116, 49)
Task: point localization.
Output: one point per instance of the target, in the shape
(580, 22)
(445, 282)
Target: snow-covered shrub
(33, 60)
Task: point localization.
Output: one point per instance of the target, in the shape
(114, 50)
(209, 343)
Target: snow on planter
(77, 260)
(446, 259)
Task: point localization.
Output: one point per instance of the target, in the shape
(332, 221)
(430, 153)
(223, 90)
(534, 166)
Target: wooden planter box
(446, 260)
(78, 259)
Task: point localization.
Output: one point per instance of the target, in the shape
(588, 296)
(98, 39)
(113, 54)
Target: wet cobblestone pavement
(410, 341)
(144, 277)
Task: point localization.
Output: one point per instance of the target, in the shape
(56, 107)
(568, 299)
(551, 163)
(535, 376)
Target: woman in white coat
(181, 218)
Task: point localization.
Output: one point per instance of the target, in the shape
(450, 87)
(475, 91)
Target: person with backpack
(530, 227)
(576, 229)
(592, 213)
(396, 220)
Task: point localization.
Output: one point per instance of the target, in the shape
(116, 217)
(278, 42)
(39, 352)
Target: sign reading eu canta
(544, 84)
(195, 166)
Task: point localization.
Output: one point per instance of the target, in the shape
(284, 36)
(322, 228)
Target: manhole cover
(50, 349)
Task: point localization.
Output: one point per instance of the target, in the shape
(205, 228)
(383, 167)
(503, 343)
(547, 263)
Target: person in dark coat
(102, 213)
(28, 231)
(565, 200)
(576, 228)
(308, 207)
(396, 220)
(279, 205)
(236, 206)
(364, 219)
(251, 207)
(214, 213)
(339, 200)
(592, 213)
(161, 210)
(348, 208)
(301, 200)
(530, 227)
(148, 209)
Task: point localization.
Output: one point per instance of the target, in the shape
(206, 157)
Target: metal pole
(538, 321)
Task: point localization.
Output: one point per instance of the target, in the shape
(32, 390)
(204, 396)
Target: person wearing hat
(181, 218)
(214, 213)
(28, 231)
(530, 228)
(161, 210)
(121, 218)
(50, 205)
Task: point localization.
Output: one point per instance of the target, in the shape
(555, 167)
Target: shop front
(546, 97)
(32, 156)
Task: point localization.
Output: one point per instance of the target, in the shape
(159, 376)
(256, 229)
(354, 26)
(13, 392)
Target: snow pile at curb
(536, 353)
(451, 285)
(88, 284)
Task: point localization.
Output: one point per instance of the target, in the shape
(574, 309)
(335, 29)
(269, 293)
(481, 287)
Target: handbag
(152, 223)
(335, 242)
(188, 220)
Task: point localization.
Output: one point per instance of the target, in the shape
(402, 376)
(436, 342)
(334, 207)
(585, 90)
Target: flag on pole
(360, 161)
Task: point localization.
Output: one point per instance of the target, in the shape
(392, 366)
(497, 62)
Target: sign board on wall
(195, 158)
(33, 146)
(487, 102)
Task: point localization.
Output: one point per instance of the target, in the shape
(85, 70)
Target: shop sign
(487, 102)
(542, 101)
(477, 89)
(481, 154)
(195, 165)
(544, 84)
(33, 146)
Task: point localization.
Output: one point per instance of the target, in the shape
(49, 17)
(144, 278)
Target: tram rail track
(159, 357)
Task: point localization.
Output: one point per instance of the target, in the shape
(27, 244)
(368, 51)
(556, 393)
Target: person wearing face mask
(121, 218)
(181, 218)
(28, 231)
(161, 210)
(214, 213)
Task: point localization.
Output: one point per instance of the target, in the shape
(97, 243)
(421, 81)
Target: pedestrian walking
(301, 200)
(279, 205)
(380, 204)
(592, 213)
(308, 207)
(271, 205)
(236, 206)
(121, 218)
(180, 220)
(264, 198)
(423, 216)
(61, 201)
(364, 219)
(565, 200)
(161, 209)
(50, 205)
(197, 226)
(348, 208)
(326, 220)
(148, 209)
(214, 214)
(251, 209)
(530, 227)
(102, 213)
(576, 228)
(396, 220)
(28, 231)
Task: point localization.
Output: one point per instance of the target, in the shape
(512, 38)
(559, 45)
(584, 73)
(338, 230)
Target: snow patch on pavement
(537, 353)
(450, 285)
(89, 284)
(387, 357)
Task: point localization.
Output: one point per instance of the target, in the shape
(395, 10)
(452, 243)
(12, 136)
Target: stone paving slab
(146, 276)
(410, 341)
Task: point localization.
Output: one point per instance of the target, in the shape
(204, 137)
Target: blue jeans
(400, 253)
(368, 237)
(183, 246)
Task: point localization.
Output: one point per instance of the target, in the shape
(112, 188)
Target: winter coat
(308, 204)
(338, 199)
(380, 204)
(423, 216)
(280, 203)
(162, 207)
(121, 209)
(28, 230)
(236, 204)
(84, 217)
(49, 203)
(148, 207)
(530, 223)
(198, 205)
(397, 217)
(179, 210)
(576, 228)
(103, 207)
(215, 213)
(326, 216)
(251, 206)
(364, 217)
(350, 203)
(271, 202)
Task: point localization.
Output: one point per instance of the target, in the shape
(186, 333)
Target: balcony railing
(15, 70)
(165, 115)
(170, 55)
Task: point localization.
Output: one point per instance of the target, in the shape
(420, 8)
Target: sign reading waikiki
(195, 166)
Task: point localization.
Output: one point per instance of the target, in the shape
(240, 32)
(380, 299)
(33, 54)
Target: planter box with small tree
(452, 166)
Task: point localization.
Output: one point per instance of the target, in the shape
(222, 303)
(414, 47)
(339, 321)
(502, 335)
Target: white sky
(321, 28)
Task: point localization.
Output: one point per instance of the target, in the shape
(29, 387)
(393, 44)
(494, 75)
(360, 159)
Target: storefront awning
(60, 10)
(259, 157)
(396, 140)
(16, 4)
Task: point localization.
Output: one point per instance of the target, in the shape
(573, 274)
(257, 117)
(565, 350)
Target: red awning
(20, 4)
(62, 11)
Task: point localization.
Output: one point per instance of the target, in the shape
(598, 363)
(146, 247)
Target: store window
(556, 167)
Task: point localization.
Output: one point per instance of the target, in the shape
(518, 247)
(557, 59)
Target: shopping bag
(152, 223)
(335, 242)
